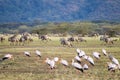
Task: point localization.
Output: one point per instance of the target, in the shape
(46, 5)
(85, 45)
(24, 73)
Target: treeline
(83, 28)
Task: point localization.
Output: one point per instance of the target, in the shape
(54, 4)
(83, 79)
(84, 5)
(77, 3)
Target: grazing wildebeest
(44, 38)
(81, 39)
(2, 39)
(21, 40)
(13, 40)
(28, 38)
(65, 42)
(25, 38)
(107, 40)
(71, 39)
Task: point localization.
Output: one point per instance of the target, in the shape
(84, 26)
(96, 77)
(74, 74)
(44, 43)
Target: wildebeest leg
(16, 43)
(112, 42)
(10, 43)
(20, 43)
(23, 43)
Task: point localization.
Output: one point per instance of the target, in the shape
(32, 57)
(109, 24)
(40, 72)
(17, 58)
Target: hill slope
(59, 10)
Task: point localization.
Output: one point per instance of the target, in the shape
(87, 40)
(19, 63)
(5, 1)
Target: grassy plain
(32, 68)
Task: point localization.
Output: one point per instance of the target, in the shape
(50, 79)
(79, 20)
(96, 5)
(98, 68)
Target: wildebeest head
(71, 39)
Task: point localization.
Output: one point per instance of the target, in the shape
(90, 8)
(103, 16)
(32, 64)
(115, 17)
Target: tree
(41, 31)
(111, 33)
(24, 28)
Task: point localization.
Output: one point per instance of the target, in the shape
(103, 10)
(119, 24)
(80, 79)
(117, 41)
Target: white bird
(110, 56)
(96, 55)
(38, 53)
(77, 65)
(78, 50)
(85, 57)
(112, 66)
(48, 61)
(114, 60)
(51, 63)
(85, 67)
(78, 59)
(104, 52)
(81, 54)
(90, 60)
(27, 53)
(56, 59)
(64, 62)
(7, 56)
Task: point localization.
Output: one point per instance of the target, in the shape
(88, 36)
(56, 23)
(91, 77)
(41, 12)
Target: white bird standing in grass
(96, 55)
(48, 61)
(64, 62)
(56, 59)
(27, 53)
(78, 59)
(90, 60)
(38, 53)
(78, 50)
(80, 53)
(104, 52)
(51, 63)
(114, 60)
(77, 65)
(85, 57)
(7, 56)
(85, 67)
(112, 66)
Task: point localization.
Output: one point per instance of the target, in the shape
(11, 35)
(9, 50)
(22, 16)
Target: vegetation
(110, 28)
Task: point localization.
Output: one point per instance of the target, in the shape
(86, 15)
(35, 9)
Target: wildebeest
(65, 42)
(21, 40)
(44, 38)
(25, 38)
(18, 39)
(81, 39)
(2, 39)
(71, 39)
(13, 40)
(77, 39)
(107, 40)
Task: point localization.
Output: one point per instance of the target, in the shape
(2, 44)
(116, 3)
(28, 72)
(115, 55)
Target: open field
(32, 68)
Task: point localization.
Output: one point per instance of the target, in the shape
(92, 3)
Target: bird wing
(114, 60)
(77, 65)
(77, 58)
(38, 52)
(90, 60)
(104, 51)
(85, 66)
(64, 62)
(96, 54)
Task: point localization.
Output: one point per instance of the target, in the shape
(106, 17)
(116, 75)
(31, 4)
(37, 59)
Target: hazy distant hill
(59, 10)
